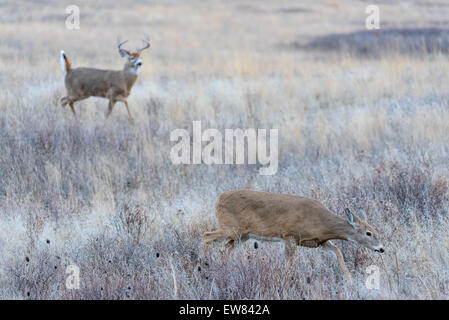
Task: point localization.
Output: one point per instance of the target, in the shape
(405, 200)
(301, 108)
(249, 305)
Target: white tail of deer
(115, 85)
(244, 214)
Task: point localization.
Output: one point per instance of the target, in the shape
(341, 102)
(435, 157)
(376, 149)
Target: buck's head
(133, 61)
(362, 232)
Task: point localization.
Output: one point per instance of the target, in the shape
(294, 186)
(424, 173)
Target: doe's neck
(341, 229)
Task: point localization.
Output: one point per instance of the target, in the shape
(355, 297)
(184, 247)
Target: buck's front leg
(122, 99)
(129, 112)
(328, 245)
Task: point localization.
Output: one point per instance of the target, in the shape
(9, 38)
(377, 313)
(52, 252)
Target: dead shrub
(133, 222)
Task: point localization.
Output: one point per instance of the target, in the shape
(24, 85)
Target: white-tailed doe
(115, 85)
(244, 214)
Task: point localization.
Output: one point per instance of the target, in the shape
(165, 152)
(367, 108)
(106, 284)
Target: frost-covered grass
(104, 195)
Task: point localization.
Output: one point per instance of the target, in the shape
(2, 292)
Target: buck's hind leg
(110, 107)
(72, 107)
(70, 100)
(64, 101)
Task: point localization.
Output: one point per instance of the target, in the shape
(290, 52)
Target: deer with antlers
(115, 85)
(245, 214)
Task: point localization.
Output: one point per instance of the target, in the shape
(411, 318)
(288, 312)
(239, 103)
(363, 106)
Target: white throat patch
(134, 71)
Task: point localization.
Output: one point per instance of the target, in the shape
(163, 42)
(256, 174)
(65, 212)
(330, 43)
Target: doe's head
(133, 63)
(363, 233)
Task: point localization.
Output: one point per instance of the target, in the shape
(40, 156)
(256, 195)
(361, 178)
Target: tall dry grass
(356, 130)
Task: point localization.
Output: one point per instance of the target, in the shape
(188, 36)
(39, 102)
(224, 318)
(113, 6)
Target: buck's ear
(123, 53)
(350, 217)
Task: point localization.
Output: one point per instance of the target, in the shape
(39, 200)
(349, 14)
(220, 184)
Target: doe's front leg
(328, 245)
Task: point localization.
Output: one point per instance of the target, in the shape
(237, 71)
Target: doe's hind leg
(212, 236)
(289, 250)
(232, 242)
(229, 246)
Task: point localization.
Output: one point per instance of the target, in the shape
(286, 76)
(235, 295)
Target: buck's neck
(130, 78)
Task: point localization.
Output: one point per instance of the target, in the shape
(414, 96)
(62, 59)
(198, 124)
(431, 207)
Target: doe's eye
(368, 234)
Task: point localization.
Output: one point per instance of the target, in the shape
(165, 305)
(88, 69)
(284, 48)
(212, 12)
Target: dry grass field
(363, 119)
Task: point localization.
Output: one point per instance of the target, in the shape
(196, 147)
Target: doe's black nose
(381, 250)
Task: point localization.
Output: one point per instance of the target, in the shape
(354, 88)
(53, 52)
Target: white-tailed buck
(244, 214)
(115, 85)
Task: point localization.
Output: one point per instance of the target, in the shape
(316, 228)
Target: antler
(146, 40)
(119, 44)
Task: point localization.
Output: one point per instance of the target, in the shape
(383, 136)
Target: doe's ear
(350, 217)
(361, 214)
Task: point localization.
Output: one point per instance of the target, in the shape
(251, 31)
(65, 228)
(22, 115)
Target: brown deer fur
(244, 214)
(115, 85)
